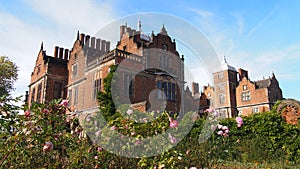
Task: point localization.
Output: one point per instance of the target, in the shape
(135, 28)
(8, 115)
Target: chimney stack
(107, 48)
(61, 53)
(56, 51)
(93, 39)
(103, 44)
(66, 57)
(82, 35)
(195, 88)
(242, 73)
(87, 40)
(122, 30)
(98, 44)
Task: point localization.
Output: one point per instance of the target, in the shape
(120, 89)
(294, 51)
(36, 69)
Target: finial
(78, 35)
(139, 24)
(163, 30)
(42, 45)
(225, 59)
(125, 24)
(273, 75)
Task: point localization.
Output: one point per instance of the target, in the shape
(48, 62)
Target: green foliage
(8, 75)
(263, 138)
(106, 104)
(8, 113)
(41, 124)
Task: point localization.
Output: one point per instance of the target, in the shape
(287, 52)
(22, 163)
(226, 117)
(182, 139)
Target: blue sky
(260, 36)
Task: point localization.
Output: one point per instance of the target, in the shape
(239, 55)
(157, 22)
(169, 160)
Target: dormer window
(164, 47)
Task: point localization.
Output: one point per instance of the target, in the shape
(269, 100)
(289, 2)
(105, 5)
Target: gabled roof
(262, 83)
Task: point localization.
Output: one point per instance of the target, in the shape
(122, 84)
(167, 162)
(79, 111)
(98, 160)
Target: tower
(225, 82)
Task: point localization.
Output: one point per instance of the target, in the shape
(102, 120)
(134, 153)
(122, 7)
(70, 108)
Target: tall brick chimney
(56, 51)
(98, 44)
(243, 73)
(61, 53)
(195, 88)
(107, 48)
(87, 40)
(82, 35)
(103, 44)
(66, 57)
(122, 30)
(93, 41)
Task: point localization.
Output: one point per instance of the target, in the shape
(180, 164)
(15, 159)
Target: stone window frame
(165, 47)
(76, 95)
(222, 98)
(222, 86)
(246, 96)
(32, 95)
(168, 88)
(255, 109)
(220, 75)
(74, 69)
(58, 89)
(39, 93)
(97, 83)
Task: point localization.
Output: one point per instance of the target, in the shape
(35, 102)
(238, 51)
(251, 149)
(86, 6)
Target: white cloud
(75, 14)
(21, 44)
(21, 39)
(203, 13)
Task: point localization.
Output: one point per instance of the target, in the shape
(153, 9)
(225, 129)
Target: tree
(8, 75)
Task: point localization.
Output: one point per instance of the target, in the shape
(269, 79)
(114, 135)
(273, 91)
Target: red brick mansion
(149, 65)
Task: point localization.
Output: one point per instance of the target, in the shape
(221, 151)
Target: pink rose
(96, 157)
(145, 120)
(209, 110)
(173, 123)
(227, 131)
(220, 126)
(48, 147)
(224, 128)
(239, 120)
(225, 134)
(64, 103)
(220, 132)
(27, 113)
(99, 149)
(172, 139)
(193, 168)
(46, 111)
(129, 112)
(113, 128)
